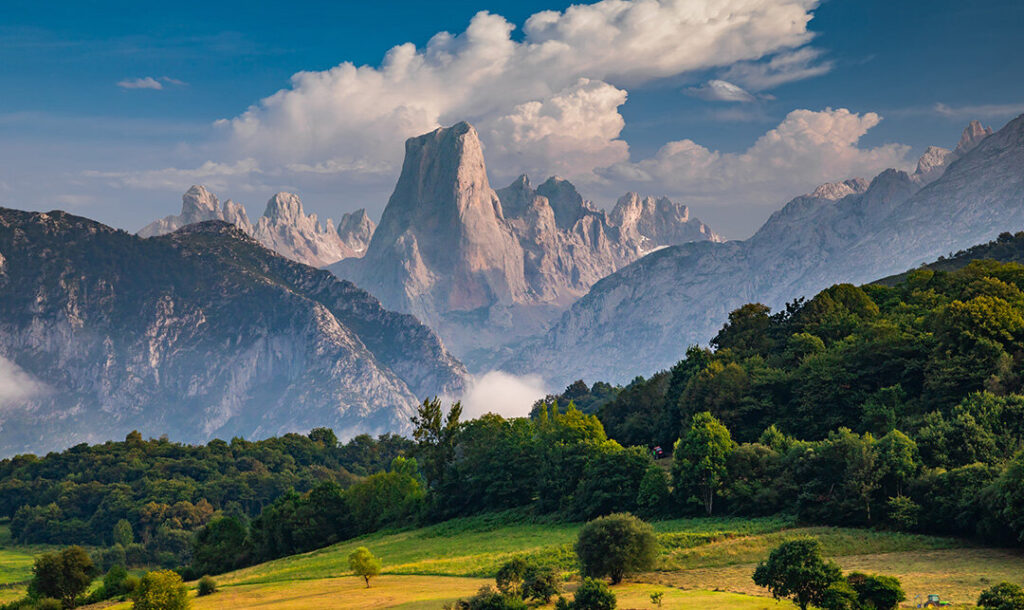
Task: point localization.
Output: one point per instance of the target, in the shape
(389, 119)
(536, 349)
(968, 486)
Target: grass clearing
(15, 565)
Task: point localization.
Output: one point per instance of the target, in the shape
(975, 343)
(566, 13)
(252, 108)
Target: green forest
(894, 405)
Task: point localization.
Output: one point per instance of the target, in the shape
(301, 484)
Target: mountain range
(486, 268)
(284, 226)
(641, 318)
(198, 333)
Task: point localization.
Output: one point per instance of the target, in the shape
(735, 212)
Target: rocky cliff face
(641, 318)
(486, 268)
(355, 230)
(199, 333)
(284, 227)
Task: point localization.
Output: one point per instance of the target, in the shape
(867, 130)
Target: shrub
(114, 582)
(839, 596)
(160, 590)
(593, 595)
(488, 598)
(48, 603)
(207, 586)
(1004, 596)
(527, 581)
(878, 592)
(540, 584)
(615, 546)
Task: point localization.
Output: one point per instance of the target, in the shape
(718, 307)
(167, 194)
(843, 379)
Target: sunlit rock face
(487, 268)
(284, 226)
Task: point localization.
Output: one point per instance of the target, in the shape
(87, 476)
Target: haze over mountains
(199, 333)
(641, 318)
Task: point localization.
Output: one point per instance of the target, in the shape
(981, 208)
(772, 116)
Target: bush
(207, 586)
(488, 598)
(1004, 596)
(527, 581)
(115, 582)
(878, 592)
(593, 595)
(160, 590)
(48, 603)
(615, 546)
(540, 584)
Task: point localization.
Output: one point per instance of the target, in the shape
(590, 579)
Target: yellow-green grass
(478, 546)
(15, 565)
(835, 541)
(955, 574)
(423, 592)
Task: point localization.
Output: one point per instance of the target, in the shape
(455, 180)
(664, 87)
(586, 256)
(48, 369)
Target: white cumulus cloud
(502, 393)
(568, 71)
(806, 149)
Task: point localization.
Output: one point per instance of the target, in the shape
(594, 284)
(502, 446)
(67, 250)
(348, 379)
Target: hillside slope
(199, 333)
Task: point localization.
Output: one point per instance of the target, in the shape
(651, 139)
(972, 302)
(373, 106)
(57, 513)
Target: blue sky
(74, 138)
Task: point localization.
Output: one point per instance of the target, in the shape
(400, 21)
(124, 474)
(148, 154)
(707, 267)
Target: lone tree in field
(62, 575)
(364, 564)
(615, 546)
(796, 570)
(1004, 596)
(700, 459)
(160, 590)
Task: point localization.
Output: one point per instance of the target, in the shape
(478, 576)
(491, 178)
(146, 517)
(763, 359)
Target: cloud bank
(502, 393)
(807, 148)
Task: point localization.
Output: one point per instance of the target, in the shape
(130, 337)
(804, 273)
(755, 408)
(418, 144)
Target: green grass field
(15, 565)
(704, 563)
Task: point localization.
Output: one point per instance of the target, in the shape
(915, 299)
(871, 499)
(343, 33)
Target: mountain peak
(198, 204)
(972, 135)
(284, 207)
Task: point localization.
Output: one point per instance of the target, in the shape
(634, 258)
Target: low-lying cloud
(17, 386)
(502, 393)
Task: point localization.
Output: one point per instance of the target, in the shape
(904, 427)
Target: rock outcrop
(198, 333)
(641, 318)
(284, 226)
(355, 230)
(487, 268)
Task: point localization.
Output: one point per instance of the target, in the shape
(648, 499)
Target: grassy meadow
(15, 565)
(704, 563)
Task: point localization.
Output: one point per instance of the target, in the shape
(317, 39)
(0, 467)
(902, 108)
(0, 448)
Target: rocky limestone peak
(235, 213)
(199, 204)
(934, 159)
(356, 229)
(518, 197)
(285, 208)
(444, 200)
(973, 134)
(834, 191)
(567, 203)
